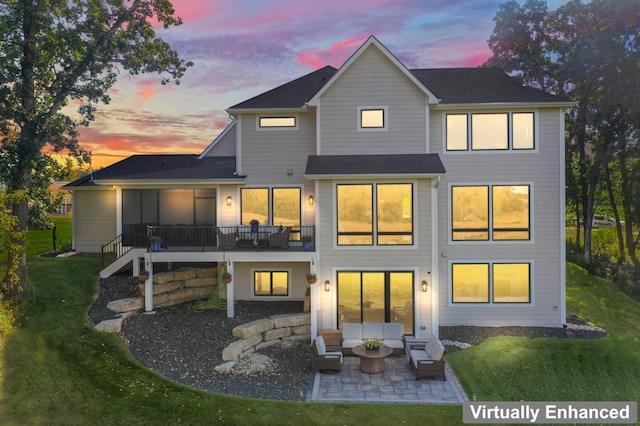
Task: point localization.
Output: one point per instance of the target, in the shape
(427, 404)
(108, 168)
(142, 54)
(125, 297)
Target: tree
(53, 52)
(588, 52)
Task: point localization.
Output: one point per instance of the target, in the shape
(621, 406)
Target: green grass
(543, 369)
(56, 369)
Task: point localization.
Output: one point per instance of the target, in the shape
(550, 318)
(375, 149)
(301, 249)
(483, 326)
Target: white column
(148, 285)
(230, 288)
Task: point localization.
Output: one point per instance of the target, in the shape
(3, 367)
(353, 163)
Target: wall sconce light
(229, 200)
(327, 286)
(311, 200)
(424, 286)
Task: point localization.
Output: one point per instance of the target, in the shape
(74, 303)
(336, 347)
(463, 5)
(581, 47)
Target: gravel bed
(186, 345)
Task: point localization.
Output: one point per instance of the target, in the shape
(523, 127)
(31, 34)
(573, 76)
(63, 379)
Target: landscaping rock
(201, 282)
(126, 305)
(252, 328)
(233, 351)
(111, 325)
(276, 333)
(184, 274)
(280, 321)
(303, 329)
(163, 277)
(206, 272)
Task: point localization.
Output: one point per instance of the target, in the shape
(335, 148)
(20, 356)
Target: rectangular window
(355, 214)
(470, 282)
(285, 205)
(271, 283)
(490, 131)
(507, 210)
(457, 132)
(254, 205)
(389, 206)
(510, 212)
(511, 283)
(498, 282)
(372, 118)
(275, 122)
(523, 130)
(394, 213)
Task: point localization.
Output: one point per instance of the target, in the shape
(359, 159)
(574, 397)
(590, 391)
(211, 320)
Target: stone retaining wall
(258, 334)
(182, 285)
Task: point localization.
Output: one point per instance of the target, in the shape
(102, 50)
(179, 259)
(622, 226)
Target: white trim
(491, 303)
(385, 118)
(318, 132)
(435, 276)
(217, 139)
(239, 146)
(563, 229)
(315, 100)
(118, 210)
(506, 105)
(370, 176)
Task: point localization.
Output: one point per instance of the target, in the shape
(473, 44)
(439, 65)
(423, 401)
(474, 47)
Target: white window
(372, 118)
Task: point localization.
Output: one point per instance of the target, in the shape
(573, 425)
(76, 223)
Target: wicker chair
(427, 360)
(280, 239)
(323, 360)
(227, 241)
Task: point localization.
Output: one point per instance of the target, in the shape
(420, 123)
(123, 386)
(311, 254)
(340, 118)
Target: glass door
(376, 296)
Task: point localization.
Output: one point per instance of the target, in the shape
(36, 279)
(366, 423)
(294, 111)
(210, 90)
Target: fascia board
(370, 176)
(503, 105)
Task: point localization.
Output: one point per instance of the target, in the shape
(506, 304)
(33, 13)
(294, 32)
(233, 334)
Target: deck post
(230, 292)
(148, 285)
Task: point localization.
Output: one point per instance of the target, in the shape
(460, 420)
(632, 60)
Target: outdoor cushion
(371, 330)
(351, 331)
(320, 346)
(434, 348)
(391, 331)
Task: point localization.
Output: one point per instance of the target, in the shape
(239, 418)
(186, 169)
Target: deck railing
(214, 238)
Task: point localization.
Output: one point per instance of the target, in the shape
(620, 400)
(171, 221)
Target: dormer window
(372, 118)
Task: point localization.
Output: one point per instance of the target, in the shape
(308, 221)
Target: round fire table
(372, 361)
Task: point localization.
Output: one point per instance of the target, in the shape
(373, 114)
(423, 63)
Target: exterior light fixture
(311, 200)
(229, 200)
(327, 286)
(424, 286)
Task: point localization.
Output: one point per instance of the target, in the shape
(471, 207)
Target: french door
(376, 296)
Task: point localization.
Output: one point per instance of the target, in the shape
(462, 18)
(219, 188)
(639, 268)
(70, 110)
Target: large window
(376, 296)
(490, 212)
(380, 214)
(271, 283)
(490, 131)
(275, 206)
(491, 283)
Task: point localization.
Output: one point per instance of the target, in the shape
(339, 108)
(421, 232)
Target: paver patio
(397, 384)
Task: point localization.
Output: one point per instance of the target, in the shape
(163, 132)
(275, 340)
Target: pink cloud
(335, 54)
(472, 61)
(146, 91)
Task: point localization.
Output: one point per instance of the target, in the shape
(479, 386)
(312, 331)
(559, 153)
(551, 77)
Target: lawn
(55, 369)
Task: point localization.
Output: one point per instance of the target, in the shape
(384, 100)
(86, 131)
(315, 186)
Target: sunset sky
(241, 48)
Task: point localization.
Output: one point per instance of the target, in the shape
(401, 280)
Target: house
(432, 197)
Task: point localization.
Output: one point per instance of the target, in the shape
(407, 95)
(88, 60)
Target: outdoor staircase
(122, 262)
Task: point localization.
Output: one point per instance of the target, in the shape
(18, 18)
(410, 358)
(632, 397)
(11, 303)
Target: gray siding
(542, 170)
(268, 155)
(373, 80)
(94, 219)
(416, 258)
(225, 147)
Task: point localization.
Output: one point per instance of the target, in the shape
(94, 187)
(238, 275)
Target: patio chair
(280, 239)
(227, 241)
(427, 360)
(323, 360)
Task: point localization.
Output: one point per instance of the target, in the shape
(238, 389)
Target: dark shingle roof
(478, 85)
(390, 164)
(450, 85)
(293, 94)
(163, 167)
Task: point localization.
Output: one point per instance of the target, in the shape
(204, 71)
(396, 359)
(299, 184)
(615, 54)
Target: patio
(397, 384)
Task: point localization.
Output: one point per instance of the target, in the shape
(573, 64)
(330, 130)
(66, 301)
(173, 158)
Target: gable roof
(330, 166)
(291, 95)
(451, 86)
(162, 168)
(373, 42)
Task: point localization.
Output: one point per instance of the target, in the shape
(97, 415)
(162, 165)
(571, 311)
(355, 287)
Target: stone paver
(397, 384)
